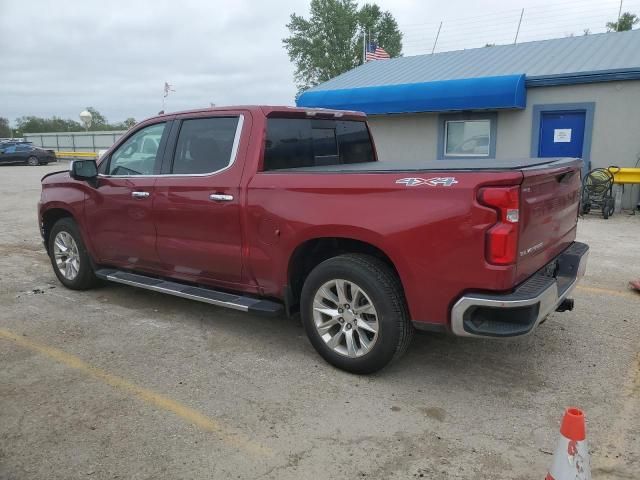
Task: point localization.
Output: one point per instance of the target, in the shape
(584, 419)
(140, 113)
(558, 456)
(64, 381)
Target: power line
(529, 17)
(613, 6)
(535, 23)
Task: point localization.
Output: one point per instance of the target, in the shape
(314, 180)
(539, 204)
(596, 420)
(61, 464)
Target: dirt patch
(436, 413)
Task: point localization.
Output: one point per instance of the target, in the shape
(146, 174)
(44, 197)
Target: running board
(206, 295)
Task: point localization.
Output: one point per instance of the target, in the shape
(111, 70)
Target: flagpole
(364, 46)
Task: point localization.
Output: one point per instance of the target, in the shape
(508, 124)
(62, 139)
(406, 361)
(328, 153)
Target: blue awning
(486, 93)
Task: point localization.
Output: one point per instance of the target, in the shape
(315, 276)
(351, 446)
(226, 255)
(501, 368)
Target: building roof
(583, 59)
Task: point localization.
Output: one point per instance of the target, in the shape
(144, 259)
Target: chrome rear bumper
(518, 313)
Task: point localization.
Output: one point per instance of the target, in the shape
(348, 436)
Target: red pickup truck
(278, 209)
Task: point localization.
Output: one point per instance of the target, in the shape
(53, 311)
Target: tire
(375, 284)
(33, 161)
(612, 206)
(608, 208)
(76, 272)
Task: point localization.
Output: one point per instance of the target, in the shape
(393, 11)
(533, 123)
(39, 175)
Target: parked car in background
(278, 209)
(25, 152)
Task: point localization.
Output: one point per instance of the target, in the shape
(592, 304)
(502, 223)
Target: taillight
(502, 238)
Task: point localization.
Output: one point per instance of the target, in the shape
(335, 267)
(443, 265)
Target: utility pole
(518, 30)
(436, 40)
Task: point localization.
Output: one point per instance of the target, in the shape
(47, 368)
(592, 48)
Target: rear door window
(301, 142)
(205, 145)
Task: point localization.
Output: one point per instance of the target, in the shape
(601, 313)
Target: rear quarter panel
(434, 235)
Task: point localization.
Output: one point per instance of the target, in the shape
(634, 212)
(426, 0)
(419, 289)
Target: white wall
(405, 137)
(615, 135)
(92, 141)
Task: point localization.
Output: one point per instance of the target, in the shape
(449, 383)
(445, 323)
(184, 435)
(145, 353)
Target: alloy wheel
(65, 252)
(345, 318)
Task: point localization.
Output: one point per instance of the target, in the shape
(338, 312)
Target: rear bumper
(518, 313)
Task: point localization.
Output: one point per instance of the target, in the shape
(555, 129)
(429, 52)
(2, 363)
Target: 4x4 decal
(432, 182)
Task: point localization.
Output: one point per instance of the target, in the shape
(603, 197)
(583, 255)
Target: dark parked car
(25, 152)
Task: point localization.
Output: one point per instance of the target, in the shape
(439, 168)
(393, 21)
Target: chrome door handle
(220, 197)
(140, 194)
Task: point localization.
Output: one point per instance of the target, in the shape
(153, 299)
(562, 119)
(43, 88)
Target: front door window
(138, 154)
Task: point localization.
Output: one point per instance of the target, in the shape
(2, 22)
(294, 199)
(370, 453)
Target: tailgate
(549, 202)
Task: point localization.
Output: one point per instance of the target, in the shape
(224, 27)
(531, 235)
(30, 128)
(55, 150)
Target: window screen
(204, 145)
(301, 142)
(467, 138)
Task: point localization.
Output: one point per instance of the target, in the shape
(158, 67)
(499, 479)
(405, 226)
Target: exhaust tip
(566, 305)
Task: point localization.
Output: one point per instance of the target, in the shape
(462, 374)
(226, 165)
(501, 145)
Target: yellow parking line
(607, 291)
(160, 401)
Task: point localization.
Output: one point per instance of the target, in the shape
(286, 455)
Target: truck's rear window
(302, 142)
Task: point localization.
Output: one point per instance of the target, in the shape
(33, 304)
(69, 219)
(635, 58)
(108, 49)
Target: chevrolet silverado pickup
(275, 210)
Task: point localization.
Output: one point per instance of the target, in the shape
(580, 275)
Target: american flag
(375, 52)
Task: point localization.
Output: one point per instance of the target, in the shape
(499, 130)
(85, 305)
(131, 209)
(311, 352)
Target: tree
(98, 121)
(626, 22)
(126, 125)
(33, 124)
(5, 129)
(381, 27)
(129, 122)
(330, 42)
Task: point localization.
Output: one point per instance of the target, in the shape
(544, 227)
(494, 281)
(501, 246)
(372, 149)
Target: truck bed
(475, 164)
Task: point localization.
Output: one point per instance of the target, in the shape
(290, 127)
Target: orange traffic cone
(571, 458)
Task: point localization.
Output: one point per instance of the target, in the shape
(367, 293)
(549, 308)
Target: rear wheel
(33, 161)
(355, 314)
(69, 257)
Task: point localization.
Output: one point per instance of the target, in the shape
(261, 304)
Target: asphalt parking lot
(123, 383)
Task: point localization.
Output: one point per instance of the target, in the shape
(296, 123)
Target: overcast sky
(56, 58)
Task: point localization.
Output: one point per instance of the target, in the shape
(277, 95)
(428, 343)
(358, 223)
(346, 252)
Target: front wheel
(33, 161)
(355, 313)
(69, 257)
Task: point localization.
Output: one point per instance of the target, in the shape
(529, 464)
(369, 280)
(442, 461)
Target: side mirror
(84, 170)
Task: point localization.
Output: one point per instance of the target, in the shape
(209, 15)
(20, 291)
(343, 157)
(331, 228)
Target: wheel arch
(312, 252)
(49, 218)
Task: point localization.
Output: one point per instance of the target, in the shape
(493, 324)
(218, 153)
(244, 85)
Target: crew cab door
(119, 211)
(197, 199)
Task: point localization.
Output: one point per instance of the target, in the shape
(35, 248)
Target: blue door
(561, 134)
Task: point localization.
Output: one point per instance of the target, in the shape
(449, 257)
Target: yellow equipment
(76, 155)
(625, 175)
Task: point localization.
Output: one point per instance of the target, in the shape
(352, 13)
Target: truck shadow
(431, 358)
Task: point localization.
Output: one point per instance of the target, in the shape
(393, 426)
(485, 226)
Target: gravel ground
(122, 383)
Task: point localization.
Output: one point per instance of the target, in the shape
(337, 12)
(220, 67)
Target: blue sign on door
(561, 134)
